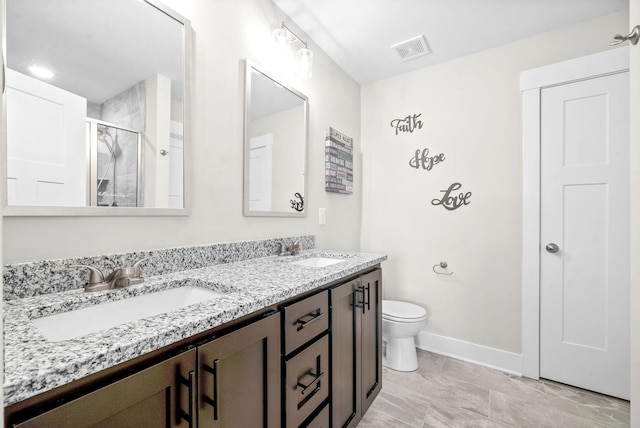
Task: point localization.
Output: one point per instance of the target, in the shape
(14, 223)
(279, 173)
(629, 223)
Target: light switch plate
(322, 216)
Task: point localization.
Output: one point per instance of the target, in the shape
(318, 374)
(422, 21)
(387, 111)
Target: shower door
(115, 165)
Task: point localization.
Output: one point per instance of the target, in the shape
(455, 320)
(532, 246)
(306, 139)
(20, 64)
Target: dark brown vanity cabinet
(239, 377)
(231, 381)
(159, 396)
(315, 362)
(356, 347)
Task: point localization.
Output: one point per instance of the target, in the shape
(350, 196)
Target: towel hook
(441, 265)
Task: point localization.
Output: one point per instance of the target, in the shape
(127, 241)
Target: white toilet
(401, 321)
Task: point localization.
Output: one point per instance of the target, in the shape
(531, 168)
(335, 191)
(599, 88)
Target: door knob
(552, 248)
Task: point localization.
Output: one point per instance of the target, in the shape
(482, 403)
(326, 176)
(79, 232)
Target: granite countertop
(33, 365)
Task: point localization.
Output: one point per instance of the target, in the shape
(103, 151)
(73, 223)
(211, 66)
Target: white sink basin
(68, 325)
(317, 262)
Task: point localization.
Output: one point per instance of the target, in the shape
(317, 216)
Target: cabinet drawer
(307, 382)
(305, 320)
(321, 420)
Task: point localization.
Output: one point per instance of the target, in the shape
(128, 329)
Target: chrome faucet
(121, 277)
(290, 250)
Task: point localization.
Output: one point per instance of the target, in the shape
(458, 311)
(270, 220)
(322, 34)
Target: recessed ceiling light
(41, 72)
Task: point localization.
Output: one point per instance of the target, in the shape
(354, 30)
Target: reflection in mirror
(117, 153)
(275, 147)
(97, 105)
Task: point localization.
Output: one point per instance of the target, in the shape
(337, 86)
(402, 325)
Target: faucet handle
(283, 249)
(137, 272)
(96, 278)
(95, 275)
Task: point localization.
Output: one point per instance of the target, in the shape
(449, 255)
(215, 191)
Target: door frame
(532, 82)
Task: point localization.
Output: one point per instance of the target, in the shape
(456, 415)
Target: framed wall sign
(338, 162)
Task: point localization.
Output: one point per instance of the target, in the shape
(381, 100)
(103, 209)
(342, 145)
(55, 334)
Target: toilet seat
(394, 310)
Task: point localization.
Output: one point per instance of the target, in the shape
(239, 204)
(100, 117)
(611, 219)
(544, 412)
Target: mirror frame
(88, 211)
(249, 67)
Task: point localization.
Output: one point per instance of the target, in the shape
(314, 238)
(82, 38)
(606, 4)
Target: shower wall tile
(127, 108)
(94, 111)
(50, 276)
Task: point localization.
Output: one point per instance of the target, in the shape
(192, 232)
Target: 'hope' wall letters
(424, 161)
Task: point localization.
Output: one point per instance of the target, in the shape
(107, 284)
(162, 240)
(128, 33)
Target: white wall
(634, 15)
(471, 112)
(225, 32)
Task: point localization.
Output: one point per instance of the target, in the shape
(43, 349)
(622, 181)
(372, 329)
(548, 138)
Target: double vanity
(223, 335)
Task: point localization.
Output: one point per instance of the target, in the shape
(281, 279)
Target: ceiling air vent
(412, 48)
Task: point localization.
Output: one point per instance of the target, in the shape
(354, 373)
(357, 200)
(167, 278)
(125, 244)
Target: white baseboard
(485, 356)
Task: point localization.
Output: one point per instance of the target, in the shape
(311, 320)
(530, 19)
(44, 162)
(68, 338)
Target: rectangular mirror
(96, 113)
(275, 147)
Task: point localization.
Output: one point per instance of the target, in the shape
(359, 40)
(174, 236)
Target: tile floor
(445, 392)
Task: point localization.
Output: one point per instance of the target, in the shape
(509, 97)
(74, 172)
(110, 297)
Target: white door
(584, 289)
(47, 150)
(260, 172)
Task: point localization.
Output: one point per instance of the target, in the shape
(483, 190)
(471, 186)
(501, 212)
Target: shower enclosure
(114, 165)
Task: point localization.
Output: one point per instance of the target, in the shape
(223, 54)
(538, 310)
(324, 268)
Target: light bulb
(283, 41)
(304, 63)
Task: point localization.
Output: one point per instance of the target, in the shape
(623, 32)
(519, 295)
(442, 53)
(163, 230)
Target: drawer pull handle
(187, 416)
(315, 380)
(213, 402)
(315, 316)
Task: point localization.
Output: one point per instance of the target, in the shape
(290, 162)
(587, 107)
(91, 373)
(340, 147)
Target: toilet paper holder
(437, 269)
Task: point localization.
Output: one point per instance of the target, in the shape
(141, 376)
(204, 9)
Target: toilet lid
(402, 310)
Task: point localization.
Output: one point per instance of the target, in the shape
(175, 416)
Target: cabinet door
(346, 319)
(160, 396)
(371, 284)
(239, 381)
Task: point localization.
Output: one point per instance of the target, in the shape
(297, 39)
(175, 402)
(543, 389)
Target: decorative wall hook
(633, 37)
(437, 268)
(297, 205)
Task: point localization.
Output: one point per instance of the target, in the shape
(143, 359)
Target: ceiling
(95, 48)
(358, 34)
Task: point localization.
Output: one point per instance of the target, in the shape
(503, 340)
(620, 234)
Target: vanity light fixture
(303, 61)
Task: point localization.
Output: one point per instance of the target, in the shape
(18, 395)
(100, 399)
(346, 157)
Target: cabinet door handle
(213, 402)
(368, 301)
(315, 316)
(316, 378)
(187, 416)
(359, 303)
